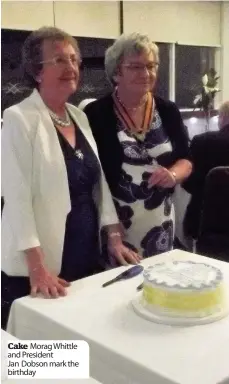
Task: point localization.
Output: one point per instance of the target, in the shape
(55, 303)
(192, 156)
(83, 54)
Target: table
(124, 348)
(5, 337)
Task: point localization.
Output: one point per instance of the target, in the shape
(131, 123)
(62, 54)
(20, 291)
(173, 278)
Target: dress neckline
(76, 146)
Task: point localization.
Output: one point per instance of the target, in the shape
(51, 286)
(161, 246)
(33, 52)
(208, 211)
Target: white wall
(26, 15)
(183, 22)
(79, 18)
(88, 18)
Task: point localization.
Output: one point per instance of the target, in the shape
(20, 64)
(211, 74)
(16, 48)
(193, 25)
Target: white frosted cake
(183, 289)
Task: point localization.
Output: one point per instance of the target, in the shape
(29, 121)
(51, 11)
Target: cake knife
(139, 287)
(131, 272)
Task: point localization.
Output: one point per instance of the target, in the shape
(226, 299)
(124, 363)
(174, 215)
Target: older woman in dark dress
(142, 143)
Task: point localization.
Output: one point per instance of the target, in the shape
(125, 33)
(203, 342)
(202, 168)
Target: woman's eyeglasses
(134, 67)
(63, 61)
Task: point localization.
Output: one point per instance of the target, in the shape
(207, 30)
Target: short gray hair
(224, 114)
(125, 45)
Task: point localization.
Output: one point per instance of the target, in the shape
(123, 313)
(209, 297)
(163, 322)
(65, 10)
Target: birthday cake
(183, 289)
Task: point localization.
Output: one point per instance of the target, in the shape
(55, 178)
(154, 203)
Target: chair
(213, 239)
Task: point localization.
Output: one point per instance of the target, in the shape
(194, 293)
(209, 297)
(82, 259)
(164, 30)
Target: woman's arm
(181, 170)
(41, 280)
(108, 217)
(114, 230)
(169, 177)
(17, 171)
(116, 248)
(180, 166)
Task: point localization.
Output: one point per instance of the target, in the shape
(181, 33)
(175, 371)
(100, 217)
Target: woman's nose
(145, 71)
(70, 64)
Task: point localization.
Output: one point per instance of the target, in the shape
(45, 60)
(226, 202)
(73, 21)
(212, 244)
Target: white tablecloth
(124, 348)
(5, 337)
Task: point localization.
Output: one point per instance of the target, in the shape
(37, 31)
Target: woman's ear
(39, 74)
(116, 77)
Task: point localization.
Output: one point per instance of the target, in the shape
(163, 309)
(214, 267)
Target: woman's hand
(41, 280)
(44, 282)
(121, 253)
(162, 177)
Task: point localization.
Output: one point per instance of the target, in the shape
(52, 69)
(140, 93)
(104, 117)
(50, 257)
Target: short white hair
(126, 45)
(224, 114)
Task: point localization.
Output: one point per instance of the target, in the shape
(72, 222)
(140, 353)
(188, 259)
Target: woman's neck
(131, 101)
(56, 106)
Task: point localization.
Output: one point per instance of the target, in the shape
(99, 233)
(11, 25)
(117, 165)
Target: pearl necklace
(65, 123)
(60, 121)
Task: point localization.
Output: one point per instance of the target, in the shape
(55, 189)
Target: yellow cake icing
(183, 289)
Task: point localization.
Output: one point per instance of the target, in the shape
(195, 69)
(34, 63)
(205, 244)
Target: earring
(39, 81)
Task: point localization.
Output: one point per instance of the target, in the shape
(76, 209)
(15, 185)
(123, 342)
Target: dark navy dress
(81, 253)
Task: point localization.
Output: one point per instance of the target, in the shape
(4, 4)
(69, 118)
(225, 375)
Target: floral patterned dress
(147, 214)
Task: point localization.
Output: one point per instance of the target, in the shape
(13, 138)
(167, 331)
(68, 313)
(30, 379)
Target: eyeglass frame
(66, 61)
(137, 67)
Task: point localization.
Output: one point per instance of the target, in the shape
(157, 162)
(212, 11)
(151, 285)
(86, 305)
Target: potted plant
(205, 99)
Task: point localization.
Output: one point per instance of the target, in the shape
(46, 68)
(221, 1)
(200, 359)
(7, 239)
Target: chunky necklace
(60, 121)
(127, 120)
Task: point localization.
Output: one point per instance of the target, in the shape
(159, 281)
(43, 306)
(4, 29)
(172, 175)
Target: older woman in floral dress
(142, 145)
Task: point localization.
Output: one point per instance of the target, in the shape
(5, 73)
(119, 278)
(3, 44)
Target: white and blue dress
(147, 214)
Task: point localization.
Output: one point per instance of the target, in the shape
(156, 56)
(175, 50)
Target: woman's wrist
(174, 176)
(34, 259)
(112, 235)
(114, 238)
(114, 231)
(181, 170)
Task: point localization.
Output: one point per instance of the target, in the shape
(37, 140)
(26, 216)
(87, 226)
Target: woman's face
(60, 72)
(137, 73)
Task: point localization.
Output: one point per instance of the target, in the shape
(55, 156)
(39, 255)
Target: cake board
(172, 320)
